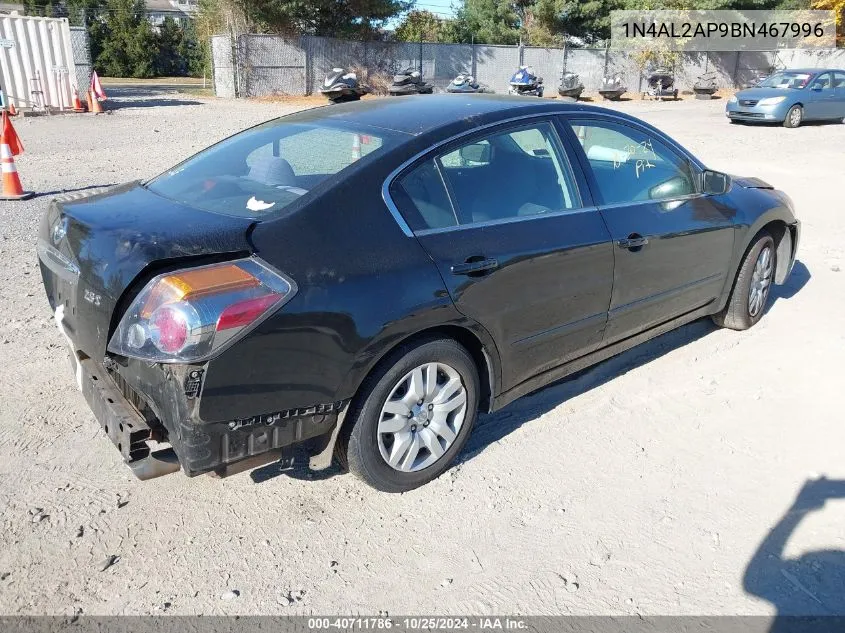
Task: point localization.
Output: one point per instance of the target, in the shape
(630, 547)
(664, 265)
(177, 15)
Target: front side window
(630, 165)
(519, 172)
(822, 82)
(261, 171)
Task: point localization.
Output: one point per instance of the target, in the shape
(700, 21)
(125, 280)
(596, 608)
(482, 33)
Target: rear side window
(520, 172)
(630, 165)
(839, 80)
(259, 172)
(425, 198)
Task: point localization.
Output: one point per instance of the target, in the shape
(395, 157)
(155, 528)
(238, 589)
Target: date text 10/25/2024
(417, 623)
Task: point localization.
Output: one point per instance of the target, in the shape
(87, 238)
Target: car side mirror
(816, 88)
(715, 182)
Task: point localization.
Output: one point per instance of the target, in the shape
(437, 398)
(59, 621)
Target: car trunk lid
(92, 250)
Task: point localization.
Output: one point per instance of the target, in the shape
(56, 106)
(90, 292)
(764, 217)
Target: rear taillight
(191, 314)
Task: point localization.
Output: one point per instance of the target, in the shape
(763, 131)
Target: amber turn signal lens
(190, 284)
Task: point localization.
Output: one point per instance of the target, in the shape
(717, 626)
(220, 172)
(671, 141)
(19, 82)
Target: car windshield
(259, 172)
(786, 80)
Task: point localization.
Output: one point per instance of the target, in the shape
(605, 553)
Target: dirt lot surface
(645, 485)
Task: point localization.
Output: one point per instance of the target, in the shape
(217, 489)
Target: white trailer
(36, 62)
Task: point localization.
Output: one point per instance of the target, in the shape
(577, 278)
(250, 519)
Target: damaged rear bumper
(125, 426)
(165, 437)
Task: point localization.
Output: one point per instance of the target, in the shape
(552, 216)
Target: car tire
(794, 117)
(747, 301)
(368, 439)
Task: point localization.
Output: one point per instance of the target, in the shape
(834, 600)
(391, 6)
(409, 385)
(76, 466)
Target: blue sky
(443, 8)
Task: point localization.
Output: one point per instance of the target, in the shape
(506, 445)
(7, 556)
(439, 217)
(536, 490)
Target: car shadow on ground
(780, 123)
(807, 585)
(798, 278)
(493, 427)
(490, 428)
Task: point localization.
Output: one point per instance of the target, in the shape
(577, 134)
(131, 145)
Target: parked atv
(342, 85)
(571, 86)
(612, 88)
(526, 83)
(410, 82)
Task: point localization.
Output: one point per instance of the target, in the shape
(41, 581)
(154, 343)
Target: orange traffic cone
(96, 94)
(94, 104)
(356, 147)
(11, 146)
(77, 104)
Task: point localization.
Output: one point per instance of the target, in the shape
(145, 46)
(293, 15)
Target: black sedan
(366, 277)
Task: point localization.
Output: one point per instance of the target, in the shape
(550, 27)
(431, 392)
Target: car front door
(512, 230)
(672, 245)
(821, 102)
(839, 87)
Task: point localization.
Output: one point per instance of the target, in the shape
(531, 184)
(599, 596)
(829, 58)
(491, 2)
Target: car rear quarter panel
(363, 287)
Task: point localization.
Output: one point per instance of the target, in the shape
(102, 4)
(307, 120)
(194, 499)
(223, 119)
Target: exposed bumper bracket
(156, 464)
(126, 428)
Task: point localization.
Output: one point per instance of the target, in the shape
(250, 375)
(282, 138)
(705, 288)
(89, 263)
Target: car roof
(422, 114)
(812, 71)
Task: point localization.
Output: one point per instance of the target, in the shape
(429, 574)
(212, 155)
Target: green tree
(126, 44)
(485, 22)
(419, 26)
(532, 22)
(77, 11)
(169, 39)
(355, 19)
(192, 51)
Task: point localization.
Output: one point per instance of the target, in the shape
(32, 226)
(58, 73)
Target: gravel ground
(643, 486)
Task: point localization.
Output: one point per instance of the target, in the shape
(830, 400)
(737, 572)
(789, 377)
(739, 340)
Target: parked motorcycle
(466, 84)
(341, 85)
(410, 82)
(612, 88)
(705, 86)
(571, 86)
(661, 85)
(526, 83)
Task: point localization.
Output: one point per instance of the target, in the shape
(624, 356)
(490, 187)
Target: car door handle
(633, 241)
(473, 265)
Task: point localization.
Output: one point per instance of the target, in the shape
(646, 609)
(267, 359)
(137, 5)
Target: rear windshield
(786, 80)
(259, 172)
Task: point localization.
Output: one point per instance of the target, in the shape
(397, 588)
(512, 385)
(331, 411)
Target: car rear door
(513, 232)
(839, 87)
(672, 245)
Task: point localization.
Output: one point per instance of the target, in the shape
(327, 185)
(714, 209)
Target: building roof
(170, 6)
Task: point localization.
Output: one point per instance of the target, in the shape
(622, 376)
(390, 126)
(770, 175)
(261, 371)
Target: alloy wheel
(761, 280)
(795, 117)
(422, 417)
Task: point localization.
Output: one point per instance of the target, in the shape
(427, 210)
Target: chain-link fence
(81, 58)
(258, 65)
